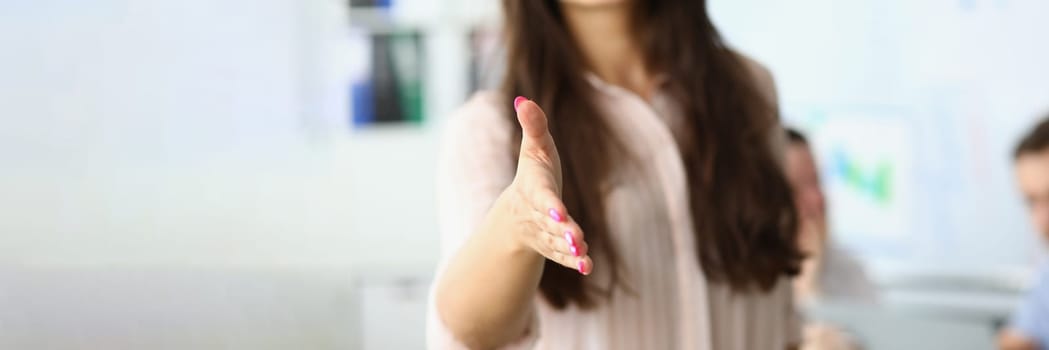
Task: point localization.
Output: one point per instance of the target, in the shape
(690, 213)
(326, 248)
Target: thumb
(532, 118)
(535, 136)
(537, 145)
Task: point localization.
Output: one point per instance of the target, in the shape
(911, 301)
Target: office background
(196, 174)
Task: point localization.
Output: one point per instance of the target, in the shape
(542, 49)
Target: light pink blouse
(674, 306)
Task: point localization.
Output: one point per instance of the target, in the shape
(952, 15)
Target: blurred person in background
(1029, 327)
(637, 201)
(829, 272)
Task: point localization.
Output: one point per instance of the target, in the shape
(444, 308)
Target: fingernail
(518, 100)
(555, 215)
(581, 268)
(571, 243)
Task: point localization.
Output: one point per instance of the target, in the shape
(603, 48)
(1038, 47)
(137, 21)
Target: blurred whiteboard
(914, 107)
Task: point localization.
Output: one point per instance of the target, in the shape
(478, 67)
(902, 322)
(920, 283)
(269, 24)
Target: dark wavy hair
(1034, 141)
(741, 203)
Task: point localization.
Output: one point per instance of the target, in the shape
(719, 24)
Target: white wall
(156, 145)
(196, 132)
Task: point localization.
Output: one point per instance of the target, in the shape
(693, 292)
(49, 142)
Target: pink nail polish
(518, 100)
(581, 268)
(555, 215)
(571, 244)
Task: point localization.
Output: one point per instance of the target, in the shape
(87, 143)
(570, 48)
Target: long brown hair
(741, 203)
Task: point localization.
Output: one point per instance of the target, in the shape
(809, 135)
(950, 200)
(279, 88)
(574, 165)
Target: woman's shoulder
(762, 76)
(481, 121)
(756, 69)
(485, 112)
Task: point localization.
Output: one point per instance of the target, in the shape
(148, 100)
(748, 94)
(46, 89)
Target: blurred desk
(986, 307)
(185, 307)
(921, 319)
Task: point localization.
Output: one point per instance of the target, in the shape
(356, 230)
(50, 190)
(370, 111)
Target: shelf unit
(445, 27)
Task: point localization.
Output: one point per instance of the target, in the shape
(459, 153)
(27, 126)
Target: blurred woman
(829, 272)
(635, 202)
